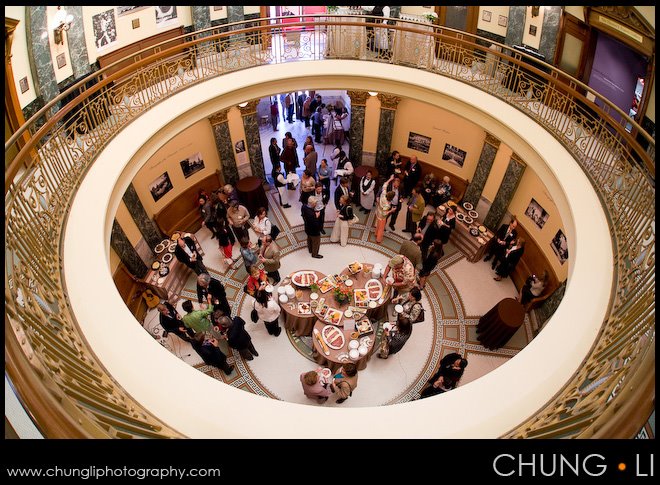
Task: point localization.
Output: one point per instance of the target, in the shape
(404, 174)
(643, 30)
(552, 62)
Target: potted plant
(431, 17)
(315, 288)
(332, 8)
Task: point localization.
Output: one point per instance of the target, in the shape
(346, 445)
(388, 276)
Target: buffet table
(334, 358)
(178, 273)
(300, 324)
(473, 247)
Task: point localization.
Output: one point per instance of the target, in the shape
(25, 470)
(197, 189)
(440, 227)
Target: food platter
(164, 270)
(468, 206)
(481, 240)
(357, 312)
(364, 327)
(155, 265)
(361, 297)
(160, 247)
(474, 214)
(304, 308)
(172, 247)
(374, 289)
(326, 284)
(474, 231)
(333, 316)
(482, 229)
(355, 267)
(167, 257)
(468, 219)
(460, 216)
(175, 236)
(451, 203)
(333, 337)
(343, 357)
(322, 310)
(304, 278)
(366, 341)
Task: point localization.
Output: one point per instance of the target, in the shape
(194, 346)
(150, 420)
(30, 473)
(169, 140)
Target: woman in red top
(256, 280)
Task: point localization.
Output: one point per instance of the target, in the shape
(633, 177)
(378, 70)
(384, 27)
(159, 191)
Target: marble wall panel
(253, 141)
(384, 146)
(41, 63)
(476, 186)
(356, 134)
(549, 306)
(147, 227)
(507, 189)
(126, 252)
(77, 44)
(548, 43)
(226, 153)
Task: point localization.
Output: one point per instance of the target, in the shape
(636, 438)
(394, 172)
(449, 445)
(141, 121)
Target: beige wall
(371, 124)
(442, 127)
(197, 138)
(575, 10)
(56, 49)
(417, 10)
(19, 56)
(237, 133)
(497, 171)
(492, 26)
(126, 35)
(530, 187)
(533, 40)
(217, 15)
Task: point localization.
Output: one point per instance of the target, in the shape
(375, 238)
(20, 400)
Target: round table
(500, 323)
(299, 324)
(251, 194)
(338, 357)
(359, 281)
(359, 172)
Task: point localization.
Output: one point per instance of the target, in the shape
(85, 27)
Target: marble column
(201, 17)
(516, 25)
(486, 159)
(549, 32)
(252, 138)
(75, 37)
(356, 131)
(549, 306)
(126, 252)
(147, 226)
(224, 146)
(512, 176)
(236, 13)
(388, 104)
(41, 63)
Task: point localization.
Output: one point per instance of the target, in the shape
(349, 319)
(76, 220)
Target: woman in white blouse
(367, 195)
(268, 311)
(261, 224)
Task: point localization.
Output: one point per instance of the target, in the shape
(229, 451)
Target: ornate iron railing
(68, 391)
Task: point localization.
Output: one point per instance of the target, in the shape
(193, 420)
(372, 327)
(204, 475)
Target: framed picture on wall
(105, 29)
(194, 163)
(486, 15)
(23, 84)
(537, 213)
(532, 30)
(502, 21)
(419, 142)
(135, 23)
(165, 15)
(61, 60)
(454, 155)
(218, 9)
(121, 11)
(560, 246)
(240, 146)
(161, 186)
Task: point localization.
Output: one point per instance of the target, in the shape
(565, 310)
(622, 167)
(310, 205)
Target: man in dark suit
(187, 253)
(210, 353)
(238, 338)
(502, 240)
(510, 259)
(313, 227)
(413, 175)
(171, 322)
(394, 185)
(342, 189)
(211, 292)
(322, 198)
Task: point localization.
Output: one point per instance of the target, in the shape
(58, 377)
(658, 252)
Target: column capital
(492, 140)
(249, 108)
(219, 117)
(388, 101)
(358, 97)
(516, 158)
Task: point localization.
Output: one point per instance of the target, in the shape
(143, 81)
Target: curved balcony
(65, 386)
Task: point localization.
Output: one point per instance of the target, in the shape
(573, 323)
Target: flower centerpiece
(342, 294)
(315, 288)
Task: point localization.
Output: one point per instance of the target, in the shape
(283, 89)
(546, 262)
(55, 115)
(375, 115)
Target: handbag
(274, 231)
(384, 352)
(254, 316)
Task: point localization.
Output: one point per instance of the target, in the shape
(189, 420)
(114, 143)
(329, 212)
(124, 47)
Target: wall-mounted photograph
(532, 30)
(486, 15)
(105, 29)
(165, 14)
(240, 146)
(218, 9)
(560, 246)
(61, 60)
(128, 10)
(454, 155)
(537, 213)
(161, 186)
(194, 163)
(135, 23)
(23, 83)
(502, 21)
(419, 142)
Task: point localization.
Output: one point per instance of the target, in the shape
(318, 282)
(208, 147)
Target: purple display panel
(615, 71)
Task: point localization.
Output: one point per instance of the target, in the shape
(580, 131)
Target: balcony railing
(65, 387)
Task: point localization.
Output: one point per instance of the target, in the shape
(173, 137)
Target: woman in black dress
(447, 224)
(430, 262)
(274, 152)
(449, 374)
